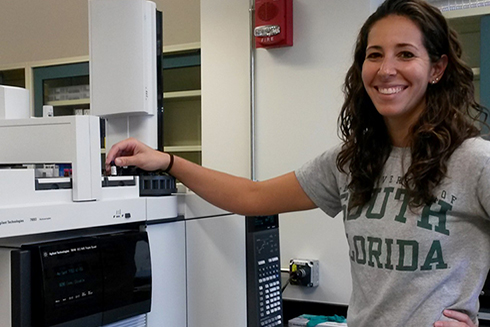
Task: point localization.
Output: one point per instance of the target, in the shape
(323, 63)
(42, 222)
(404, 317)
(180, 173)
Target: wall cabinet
(65, 87)
(472, 27)
(182, 103)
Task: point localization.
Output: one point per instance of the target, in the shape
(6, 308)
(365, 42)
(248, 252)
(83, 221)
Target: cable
(285, 271)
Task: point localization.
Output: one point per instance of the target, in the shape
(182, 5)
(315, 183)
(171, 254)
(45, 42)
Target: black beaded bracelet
(167, 170)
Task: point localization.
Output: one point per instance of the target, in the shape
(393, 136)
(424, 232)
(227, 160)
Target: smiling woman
(397, 72)
(407, 47)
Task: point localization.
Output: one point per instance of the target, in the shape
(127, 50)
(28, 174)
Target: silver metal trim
(252, 91)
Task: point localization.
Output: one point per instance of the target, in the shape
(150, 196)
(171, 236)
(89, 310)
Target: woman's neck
(399, 138)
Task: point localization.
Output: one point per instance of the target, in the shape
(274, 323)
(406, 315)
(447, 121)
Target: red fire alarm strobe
(273, 23)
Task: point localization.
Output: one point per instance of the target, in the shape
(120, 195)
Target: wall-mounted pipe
(252, 91)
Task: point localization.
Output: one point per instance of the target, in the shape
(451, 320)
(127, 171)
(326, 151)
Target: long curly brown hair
(450, 117)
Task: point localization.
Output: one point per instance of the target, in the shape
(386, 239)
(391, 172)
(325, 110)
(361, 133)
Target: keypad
(269, 290)
(264, 298)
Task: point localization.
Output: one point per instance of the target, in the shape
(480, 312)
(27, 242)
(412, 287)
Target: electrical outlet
(304, 272)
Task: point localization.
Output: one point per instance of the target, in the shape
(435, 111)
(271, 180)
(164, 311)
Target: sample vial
(113, 169)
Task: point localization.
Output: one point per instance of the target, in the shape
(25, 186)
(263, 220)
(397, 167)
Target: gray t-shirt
(407, 267)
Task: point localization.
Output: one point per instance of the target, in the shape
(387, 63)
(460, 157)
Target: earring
(435, 80)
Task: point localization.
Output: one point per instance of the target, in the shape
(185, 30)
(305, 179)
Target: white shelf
(467, 12)
(182, 94)
(182, 148)
(68, 102)
(182, 47)
(182, 103)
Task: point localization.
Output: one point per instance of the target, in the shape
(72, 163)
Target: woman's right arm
(231, 193)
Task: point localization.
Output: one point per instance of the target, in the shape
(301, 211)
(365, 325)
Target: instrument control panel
(264, 298)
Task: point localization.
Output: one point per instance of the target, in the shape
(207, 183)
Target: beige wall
(51, 29)
(298, 98)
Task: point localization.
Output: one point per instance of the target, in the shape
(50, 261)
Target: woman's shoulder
(325, 160)
(475, 146)
(474, 150)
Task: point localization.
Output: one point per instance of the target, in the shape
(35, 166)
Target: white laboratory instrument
(38, 206)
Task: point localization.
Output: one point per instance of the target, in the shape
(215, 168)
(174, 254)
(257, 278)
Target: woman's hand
(132, 152)
(461, 320)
